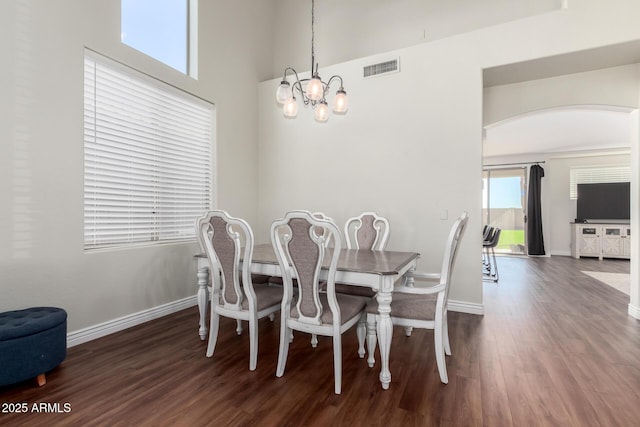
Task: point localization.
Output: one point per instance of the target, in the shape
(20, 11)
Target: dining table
(378, 270)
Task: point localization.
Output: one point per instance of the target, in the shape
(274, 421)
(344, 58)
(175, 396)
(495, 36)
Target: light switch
(444, 214)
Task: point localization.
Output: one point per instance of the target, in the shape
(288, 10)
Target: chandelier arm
(298, 85)
(332, 78)
(328, 84)
(291, 70)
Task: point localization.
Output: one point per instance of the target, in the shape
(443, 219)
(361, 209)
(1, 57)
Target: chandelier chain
(313, 51)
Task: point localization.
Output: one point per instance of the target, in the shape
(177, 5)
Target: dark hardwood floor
(555, 348)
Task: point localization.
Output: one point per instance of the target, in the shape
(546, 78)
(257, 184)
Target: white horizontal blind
(147, 157)
(598, 174)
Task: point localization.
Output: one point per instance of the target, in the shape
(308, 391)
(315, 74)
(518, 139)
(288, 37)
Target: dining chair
(490, 265)
(487, 231)
(426, 306)
(227, 240)
(371, 232)
(299, 243)
(278, 280)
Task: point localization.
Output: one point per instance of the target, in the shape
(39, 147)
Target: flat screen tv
(604, 201)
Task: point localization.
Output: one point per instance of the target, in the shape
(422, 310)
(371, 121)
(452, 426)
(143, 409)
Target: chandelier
(311, 91)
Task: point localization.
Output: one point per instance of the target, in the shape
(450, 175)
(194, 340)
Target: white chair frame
(442, 282)
(281, 235)
(327, 243)
(240, 281)
(367, 219)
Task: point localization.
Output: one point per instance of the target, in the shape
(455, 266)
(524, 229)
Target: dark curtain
(534, 212)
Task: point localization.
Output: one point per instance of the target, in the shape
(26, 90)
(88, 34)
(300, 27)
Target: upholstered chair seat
(266, 296)
(350, 307)
(409, 306)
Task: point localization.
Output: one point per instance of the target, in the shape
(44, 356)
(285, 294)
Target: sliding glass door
(503, 206)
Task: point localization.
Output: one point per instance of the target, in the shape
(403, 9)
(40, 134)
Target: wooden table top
(356, 260)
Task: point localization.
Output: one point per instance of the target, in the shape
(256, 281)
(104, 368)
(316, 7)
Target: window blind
(598, 174)
(148, 156)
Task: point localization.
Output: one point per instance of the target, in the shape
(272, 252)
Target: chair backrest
(299, 241)
(487, 231)
(320, 231)
(367, 231)
(451, 250)
(493, 239)
(222, 237)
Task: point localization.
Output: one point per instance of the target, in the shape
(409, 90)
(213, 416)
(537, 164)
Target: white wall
(41, 151)
(384, 158)
(608, 87)
(410, 145)
(368, 27)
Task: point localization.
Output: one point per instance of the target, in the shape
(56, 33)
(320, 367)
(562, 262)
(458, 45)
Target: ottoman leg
(42, 380)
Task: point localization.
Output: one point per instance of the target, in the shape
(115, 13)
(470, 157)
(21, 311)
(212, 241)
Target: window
(503, 206)
(596, 174)
(163, 29)
(148, 156)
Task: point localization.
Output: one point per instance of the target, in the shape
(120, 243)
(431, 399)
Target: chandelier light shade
(340, 102)
(290, 108)
(283, 94)
(312, 92)
(322, 112)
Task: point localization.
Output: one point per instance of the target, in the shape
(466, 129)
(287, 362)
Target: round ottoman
(32, 342)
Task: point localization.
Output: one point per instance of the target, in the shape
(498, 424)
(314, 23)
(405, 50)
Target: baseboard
(122, 323)
(561, 253)
(465, 307)
(634, 311)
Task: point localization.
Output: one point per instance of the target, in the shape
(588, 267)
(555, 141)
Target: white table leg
(409, 282)
(372, 339)
(385, 334)
(203, 299)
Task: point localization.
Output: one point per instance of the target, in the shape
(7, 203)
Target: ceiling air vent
(386, 67)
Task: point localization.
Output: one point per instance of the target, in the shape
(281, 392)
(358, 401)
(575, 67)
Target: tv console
(600, 240)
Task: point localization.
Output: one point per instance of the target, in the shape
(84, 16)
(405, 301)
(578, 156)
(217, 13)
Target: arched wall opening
(564, 137)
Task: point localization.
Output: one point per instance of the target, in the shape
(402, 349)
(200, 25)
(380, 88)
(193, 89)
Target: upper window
(148, 157)
(160, 29)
